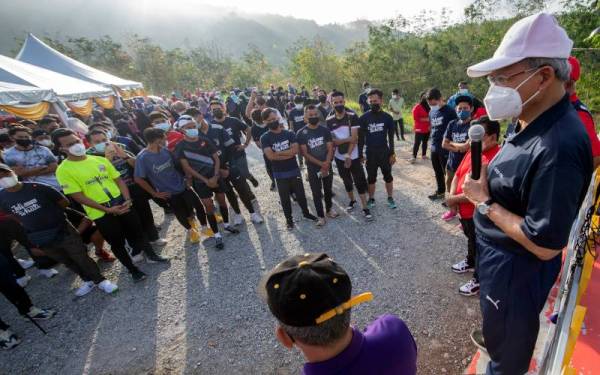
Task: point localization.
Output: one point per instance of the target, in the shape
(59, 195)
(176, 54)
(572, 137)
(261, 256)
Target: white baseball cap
(182, 121)
(538, 35)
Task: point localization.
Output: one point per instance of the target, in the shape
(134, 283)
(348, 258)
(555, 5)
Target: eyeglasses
(502, 80)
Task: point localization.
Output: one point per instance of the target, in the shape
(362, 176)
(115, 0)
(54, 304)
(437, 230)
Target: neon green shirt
(94, 177)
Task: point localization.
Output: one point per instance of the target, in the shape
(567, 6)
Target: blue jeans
(513, 291)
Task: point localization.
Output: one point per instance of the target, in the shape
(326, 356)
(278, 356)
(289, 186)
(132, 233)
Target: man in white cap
(529, 195)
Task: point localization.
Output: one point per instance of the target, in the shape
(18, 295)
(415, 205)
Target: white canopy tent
(36, 52)
(67, 88)
(13, 94)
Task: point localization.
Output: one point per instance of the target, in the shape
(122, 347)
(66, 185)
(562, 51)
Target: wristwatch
(484, 207)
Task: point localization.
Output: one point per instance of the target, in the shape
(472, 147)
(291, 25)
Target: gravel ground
(201, 313)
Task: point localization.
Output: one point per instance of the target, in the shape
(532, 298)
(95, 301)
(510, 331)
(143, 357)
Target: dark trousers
(184, 204)
(236, 183)
(69, 250)
(399, 128)
(141, 203)
(268, 167)
(287, 186)
(353, 176)
(11, 230)
(116, 229)
(513, 291)
(321, 188)
(468, 227)
(421, 140)
(439, 159)
(12, 291)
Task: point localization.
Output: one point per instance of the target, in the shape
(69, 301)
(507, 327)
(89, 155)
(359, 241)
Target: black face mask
(313, 120)
(218, 113)
(376, 107)
(322, 98)
(24, 142)
(339, 108)
(273, 125)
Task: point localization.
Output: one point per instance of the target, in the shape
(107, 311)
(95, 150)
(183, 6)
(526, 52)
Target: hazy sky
(340, 11)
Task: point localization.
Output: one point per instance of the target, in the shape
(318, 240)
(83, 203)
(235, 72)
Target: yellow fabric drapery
(28, 111)
(107, 102)
(82, 108)
(128, 94)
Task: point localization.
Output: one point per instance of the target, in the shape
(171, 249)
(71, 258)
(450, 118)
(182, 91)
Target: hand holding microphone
(476, 133)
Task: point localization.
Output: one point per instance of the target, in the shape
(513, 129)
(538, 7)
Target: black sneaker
(168, 210)
(368, 214)
(219, 243)
(138, 276)
(273, 186)
(40, 314)
(371, 203)
(231, 229)
(311, 217)
(477, 339)
(350, 206)
(290, 225)
(155, 258)
(253, 181)
(436, 196)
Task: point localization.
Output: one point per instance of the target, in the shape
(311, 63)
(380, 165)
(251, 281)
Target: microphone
(476, 133)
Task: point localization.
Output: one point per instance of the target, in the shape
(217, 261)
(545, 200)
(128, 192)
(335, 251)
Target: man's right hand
(161, 195)
(37, 252)
(213, 182)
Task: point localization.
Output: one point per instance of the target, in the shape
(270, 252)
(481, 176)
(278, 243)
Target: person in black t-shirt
(296, 121)
(236, 130)
(257, 131)
(281, 148)
(316, 145)
(377, 135)
(199, 158)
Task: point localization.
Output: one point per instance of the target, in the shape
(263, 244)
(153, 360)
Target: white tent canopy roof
(36, 52)
(13, 94)
(67, 88)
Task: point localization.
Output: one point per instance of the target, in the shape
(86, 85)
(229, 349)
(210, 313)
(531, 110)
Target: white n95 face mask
(503, 103)
(78, 149)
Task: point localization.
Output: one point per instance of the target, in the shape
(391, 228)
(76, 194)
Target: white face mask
(463, 91)
(434, 107)
(45, 142)
(8, 182)
(505, 102)
(299, 106)
(394, 96)
(78, 149)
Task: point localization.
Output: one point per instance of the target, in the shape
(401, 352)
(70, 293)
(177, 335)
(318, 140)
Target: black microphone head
(476, 133)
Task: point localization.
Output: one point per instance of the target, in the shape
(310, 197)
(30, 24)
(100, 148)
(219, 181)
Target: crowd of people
(90, 182)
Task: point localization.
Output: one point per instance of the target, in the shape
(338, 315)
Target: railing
(567, 312)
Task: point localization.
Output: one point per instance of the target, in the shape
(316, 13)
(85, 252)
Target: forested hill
(184, 24)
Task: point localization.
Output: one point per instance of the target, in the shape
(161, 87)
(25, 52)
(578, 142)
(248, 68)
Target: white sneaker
(23, 281)
(85, 288)
(462, 267)
(320, 222)
(256, 218)
(159, 242)
(237, 219)
(471, 288)
(49, 273)
(332, 214)
(137, 258)
(26, 263)
(108, 287)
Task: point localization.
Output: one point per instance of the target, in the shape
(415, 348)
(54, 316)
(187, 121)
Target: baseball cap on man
(307, 290)
(538, 35)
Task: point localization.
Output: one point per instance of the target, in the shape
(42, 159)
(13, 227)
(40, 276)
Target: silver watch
(484, 207)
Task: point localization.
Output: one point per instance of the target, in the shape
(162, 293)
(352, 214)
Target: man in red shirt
(465, 208)
(160, 120)
(584, 113)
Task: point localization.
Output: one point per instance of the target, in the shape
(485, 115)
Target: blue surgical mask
(463, 115)
(463, 91)
(192, 133)
(109, 134)
(100, 147)
(164, 126)
(434, 107)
